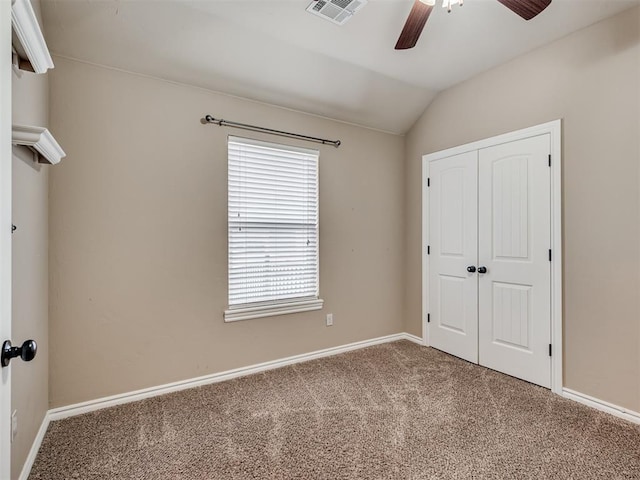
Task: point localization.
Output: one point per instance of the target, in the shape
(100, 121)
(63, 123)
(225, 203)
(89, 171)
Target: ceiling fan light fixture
(448, 3)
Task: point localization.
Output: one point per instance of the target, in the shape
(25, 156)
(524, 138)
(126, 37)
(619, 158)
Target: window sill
(247, 313)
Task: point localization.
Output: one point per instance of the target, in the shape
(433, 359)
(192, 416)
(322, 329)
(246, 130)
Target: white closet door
(5, 235)
(453, 291)
(514, 240)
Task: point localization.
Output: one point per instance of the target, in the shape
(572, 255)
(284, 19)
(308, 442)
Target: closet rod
(244, 126)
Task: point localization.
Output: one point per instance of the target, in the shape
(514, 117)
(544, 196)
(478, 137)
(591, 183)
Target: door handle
(27, 351)
(471, 269)
(482, 269)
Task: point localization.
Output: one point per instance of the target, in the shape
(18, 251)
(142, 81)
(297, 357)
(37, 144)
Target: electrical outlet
(329, 319)
(14, 425)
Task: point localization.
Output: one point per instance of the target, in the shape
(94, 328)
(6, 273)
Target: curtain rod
(220, 122)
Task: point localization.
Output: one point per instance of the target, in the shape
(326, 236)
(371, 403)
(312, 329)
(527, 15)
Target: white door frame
(554, 129)
(5, 232)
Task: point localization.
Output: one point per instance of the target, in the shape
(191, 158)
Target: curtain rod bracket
(221, 122)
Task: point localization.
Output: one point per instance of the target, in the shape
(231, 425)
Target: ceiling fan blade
(413, 26)
(527, 9)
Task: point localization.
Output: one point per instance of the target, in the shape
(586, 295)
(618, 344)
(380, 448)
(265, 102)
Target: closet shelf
(40, 141)
(28, 41)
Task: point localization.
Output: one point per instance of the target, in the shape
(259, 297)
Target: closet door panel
(514, 295)
(453, 247)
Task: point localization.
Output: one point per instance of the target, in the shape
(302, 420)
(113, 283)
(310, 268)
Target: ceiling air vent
(336, 11)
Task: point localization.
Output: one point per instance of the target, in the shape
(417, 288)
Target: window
(273, 229)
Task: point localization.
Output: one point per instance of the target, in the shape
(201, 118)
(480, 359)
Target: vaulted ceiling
(276, 52)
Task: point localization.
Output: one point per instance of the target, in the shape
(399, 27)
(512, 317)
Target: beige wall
(30, 277)
(590, 79)
(138, 259)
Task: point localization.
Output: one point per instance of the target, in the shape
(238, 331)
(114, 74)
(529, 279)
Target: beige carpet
(394, 411)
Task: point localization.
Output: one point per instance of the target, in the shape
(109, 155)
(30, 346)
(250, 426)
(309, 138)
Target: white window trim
(280, 308)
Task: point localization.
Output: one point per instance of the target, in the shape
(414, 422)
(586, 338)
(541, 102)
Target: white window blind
(273, 228)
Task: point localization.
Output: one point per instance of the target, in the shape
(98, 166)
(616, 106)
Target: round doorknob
(482, 269)
(27, 351)
(471, 269)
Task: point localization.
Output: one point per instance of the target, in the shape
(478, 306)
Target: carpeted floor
(393, 411)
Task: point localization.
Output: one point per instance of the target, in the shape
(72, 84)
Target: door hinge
(428, 318)
(549, 254)
(549, 349)
(549, 159)
(428, 249)
(428, 182)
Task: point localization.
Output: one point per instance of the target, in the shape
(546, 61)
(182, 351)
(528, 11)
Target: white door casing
(514, 239)
(5, 231)
(453, 246)
(552, 132)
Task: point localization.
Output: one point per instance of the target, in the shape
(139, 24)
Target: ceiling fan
(421, 10)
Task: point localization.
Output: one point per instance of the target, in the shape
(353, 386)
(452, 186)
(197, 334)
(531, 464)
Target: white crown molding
(27, 29)
(40, 140)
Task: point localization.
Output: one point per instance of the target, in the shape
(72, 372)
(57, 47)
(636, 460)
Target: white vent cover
(336, 11)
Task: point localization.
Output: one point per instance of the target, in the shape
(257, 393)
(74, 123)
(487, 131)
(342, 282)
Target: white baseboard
(28, 463)
(100, 403)
(413, 338)
(601, 405)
